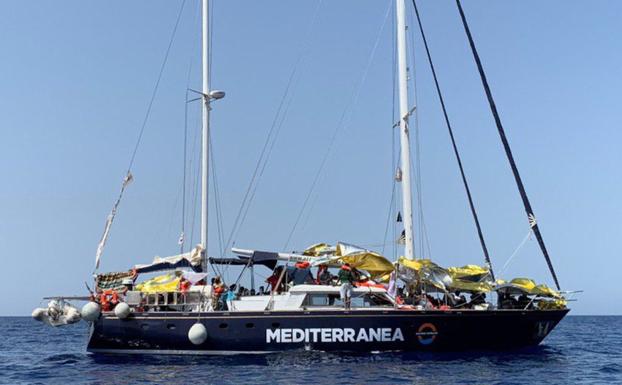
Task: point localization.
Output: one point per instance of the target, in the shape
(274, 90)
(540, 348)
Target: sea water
(581, 350)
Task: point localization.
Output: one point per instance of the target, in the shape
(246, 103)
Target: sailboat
(180, 313)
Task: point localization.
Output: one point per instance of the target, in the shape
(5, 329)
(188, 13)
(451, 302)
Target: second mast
(403, 125)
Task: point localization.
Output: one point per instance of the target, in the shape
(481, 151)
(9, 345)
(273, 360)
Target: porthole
(276, 325)
(171, 326)
(144, 326)
(223, 326)
(250, 325)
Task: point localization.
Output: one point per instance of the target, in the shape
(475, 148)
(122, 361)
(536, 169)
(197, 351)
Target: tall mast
(403, 124)
(205, 133)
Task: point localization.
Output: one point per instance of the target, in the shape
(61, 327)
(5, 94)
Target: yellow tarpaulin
(162, 283)
(524, 283)
(417, 264)
(545, 291)
(468, 272)
(319, 249)
(552, 305)
(528, 286)
(359, 258)
(470, 278)
(375, 264)
(425, 271)
(470, 286)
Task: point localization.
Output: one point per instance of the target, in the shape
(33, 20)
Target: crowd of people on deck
(300, 274)
(283, 277)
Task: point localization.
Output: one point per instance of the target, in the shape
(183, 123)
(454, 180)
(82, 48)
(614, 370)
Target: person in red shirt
(273, 280)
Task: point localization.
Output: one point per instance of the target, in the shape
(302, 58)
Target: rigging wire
(211, 39)
(183, 194)
(520, 246)
(343, 121)
(506, 146)
(453, 142)
(310, 211)
(394, 131)
(272, 135)
(416, 163)
(424, 241)
(392, 204)
(389, 221)
(128, 175)
(182, 240)
(426, 245)
(195, 184)
(156, 87)
(263, 167)
(217, 203)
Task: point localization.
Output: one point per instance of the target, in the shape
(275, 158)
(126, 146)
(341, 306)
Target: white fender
(122, 310)
(91, 311)
(197, 333)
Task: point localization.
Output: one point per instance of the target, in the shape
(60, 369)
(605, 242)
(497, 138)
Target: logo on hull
(281, 336)
(543, 329)
(426, 334)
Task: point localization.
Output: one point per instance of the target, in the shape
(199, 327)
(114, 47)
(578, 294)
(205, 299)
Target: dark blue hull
(358, 331)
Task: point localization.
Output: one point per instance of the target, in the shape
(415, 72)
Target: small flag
(402, 239)
(399, 217)
(180, 241)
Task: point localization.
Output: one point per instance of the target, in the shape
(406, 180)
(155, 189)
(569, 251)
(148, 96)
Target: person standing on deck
(276, 280)
(217, 289)
(324, 277)
(346, 280)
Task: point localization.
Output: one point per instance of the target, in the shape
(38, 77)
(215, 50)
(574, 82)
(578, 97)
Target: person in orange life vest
(103, 301)
(217, 289)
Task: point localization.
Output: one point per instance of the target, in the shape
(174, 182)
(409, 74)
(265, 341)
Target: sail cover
(191, 259)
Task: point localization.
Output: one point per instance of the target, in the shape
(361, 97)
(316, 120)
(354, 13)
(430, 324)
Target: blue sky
(76, 78)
